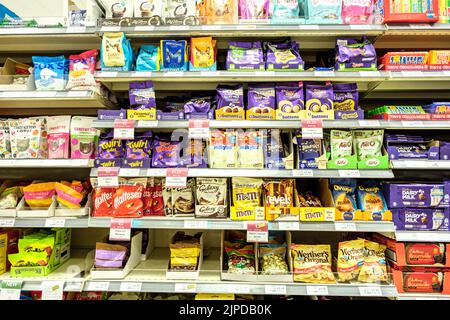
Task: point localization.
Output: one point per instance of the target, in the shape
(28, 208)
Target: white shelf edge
(421, 164)
(423, 236)
(46, 163)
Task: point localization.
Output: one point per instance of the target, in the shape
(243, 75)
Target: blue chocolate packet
(174, 55)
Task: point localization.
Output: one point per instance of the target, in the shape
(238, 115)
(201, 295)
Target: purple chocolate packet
(308, 151)
(108, 147)
(199, 105)
(142, 94)
(346, 96)
(353, 55)
(230, 97)
(245, 55)
(261, 96)
(108, 263)
(290, 98)
(110, 255)
(416, 219)
(166, 153)
(195, 156)
(140, 147)
(319, 97)
(283, 55)
(414, 195)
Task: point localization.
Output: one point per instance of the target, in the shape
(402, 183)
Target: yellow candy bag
(312, 263)
(67, 196)
(203, 52)
(247, 192)
(113, 54)
(39, 195)
(350, 259)
(374, 268)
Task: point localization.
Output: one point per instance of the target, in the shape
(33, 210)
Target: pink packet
(357, 11)
(58, 137)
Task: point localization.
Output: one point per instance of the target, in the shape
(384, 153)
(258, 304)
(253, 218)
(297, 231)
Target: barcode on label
(316, 290)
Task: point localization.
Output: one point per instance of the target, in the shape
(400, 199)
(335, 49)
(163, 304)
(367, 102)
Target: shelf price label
(369, 123)
(130, 172)
(195, 224)
(186, 287)
(349, 173)
(7, 223)
(289, 225)
(55, 223)
(176, 177)
(52, 290)
(324, 74)
(345, 226)
(275, 289)
(11, 289)
(123, 129)
(242, 289)
(75, 285)
(370, 291)
(316, 290)
(412, 124)
(312, 129)
(120, 229)
(98, 286)
(198, 129)
(257, 231)
(303, 173)
(108, 177)
(131, 286)
(147, 124)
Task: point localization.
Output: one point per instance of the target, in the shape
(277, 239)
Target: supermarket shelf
(260, 173)
(47, 163)
(51, 99)
(421, 164)
(45, 222)
(228, 224)
(151, 274)
(287, 124)
(424, 236)
(424, 296)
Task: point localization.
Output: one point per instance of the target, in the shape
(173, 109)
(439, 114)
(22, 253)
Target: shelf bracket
(371, 87)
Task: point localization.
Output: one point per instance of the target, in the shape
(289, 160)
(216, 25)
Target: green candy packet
(341, 143)
(368, 143)
(37, 245)
(28, 259)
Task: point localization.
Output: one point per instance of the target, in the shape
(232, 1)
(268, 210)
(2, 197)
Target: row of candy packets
(359, 202)
(415, 147)
(240, 253)
(351, 54)
(109, 255)
(10, 194)
(312, 263)
(185, 252)
(116, 53)
(361, 260)
(34, 250)
(273, 255)
(398, 113)
(416, 60)
(170, 154)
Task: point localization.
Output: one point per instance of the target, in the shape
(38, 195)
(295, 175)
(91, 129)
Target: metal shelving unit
(46, 163)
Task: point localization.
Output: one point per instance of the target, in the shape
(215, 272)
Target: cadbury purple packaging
(319, 97)
(245, 56)
(346, 96)
(139, 151)
(108, 147)
(166, 153)
(111, 114)
(195, 156)
(444, 150)
(261, 96)
(198, 105)
(410, 147)
(417, 195)
(142, 95)
(282, 56)
(353, 55)
(421, 219)
(290, 97)
(308, 151)
(230, 98)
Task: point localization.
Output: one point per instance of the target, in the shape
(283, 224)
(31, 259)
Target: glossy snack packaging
(374, 269)
(83, 138)
(81, 70)
(58, 137)
(222, 11)
(357, 12)
(351, 54)
(50, 73)
(350, 259)
(174, 55)
(324, 11)
(346, 96)
(39, 195)
(149, 58)
(312, 263)
(127, 199)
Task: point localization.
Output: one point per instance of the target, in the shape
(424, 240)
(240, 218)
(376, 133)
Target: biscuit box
(421, 219)
(417, 195)
(421, 279)
(415, 254)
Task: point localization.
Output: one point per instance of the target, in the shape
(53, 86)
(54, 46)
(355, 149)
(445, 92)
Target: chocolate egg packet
(290, 97)
(371, 199)
(346, 96)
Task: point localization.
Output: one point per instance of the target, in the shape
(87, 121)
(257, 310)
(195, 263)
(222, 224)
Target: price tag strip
(176, 177)
(289, 225)
(186, 287)
(123, 129)
(195, 224)
(345, 226)
(108, 177)
(7, 223)
(120, 229)
(275, 289)
(98, 286)
(316, 290)
(257, 231)
(131, 286)
(11, 289)
(52, 290)
(55, 223)
(198, 129)
(370, 291)
(312, 129)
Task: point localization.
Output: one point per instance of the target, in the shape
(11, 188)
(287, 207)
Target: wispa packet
(357, 12)
(108, 147)
(58, 137)
(140, 147)
(261, 97)
(290, 97)
(230, 98)
(166, 153)
(319, 97)
(346, 96)
(142, 94)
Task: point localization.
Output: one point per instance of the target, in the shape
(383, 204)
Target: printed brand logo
(373, 162)
(125, 197)
(341, 162)
(105, 197)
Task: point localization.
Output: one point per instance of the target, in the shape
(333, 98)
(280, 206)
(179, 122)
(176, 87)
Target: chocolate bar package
(109, 148)
(418, 219)
(211, 195)
(290, 97)
(411, 147)
(308, 151)
(346, 96)
(353, 55)
(283, 56)
(425, 254)
(420, 279)
(245, 55)
(142, 94)
(319, 97)
(417, 195)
